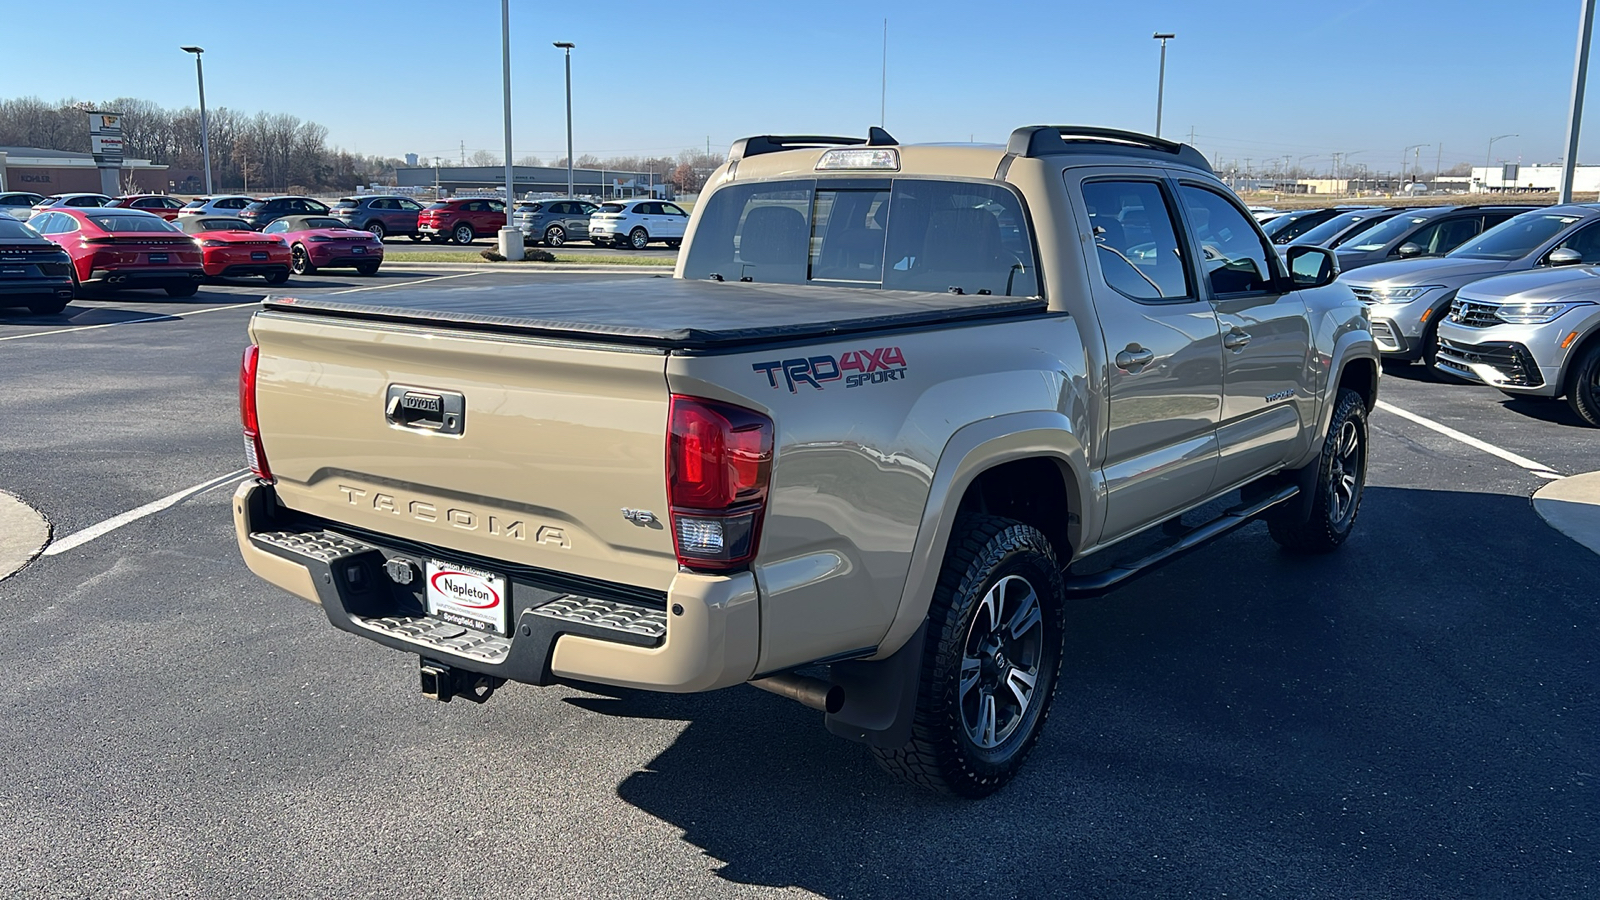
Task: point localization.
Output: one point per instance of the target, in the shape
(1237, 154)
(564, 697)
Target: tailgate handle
(425, 409)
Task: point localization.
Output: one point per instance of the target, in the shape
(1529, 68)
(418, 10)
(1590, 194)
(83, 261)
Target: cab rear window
(900, 234)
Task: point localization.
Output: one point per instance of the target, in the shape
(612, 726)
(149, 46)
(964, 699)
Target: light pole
(1417, 148)
(566, 47)
(1161, 80)
(510, 237)
(1488, 161)
(1580, 76)
(205, 137)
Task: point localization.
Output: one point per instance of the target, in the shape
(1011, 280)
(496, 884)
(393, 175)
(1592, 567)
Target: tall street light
(1414, 147)
(510, 236)
(1161, 81)
(205, 136)
(567, 47)
(1488, 160)
(1580, 76)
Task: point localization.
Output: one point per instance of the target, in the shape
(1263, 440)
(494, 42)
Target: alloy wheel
(555, 236)
(1000, 662)
(1344, 476)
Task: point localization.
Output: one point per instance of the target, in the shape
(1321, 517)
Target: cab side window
(1135, 240)
(1234, 257)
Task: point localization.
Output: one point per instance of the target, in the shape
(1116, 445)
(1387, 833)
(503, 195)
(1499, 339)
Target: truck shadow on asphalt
(1412, 716)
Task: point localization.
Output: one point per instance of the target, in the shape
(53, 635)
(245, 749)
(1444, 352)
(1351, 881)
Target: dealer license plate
(258, 254)
(358, 251)
(158, 258)
(468, 597)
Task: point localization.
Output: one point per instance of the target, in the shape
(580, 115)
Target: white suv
(635, 223)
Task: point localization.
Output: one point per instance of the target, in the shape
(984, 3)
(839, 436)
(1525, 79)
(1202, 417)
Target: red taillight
(254, 453)
(719, 462)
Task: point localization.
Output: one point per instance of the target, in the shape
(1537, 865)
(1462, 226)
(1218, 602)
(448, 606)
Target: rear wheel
(989, 665)
(300, 261)
(182, 290)
(638, 239)
(462, 234)
(48, 307)
(1583, 385)
(674, 244)
(367, 268)
(278, 277)
(377, 229)
(555, 236)
(1341, 479)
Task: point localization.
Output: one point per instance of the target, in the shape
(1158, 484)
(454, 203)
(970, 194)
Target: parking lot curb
(526, 267)
(1572, 507)
(23, 533)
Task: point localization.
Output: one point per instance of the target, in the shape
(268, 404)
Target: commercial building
(1514, 178)
(601, 183)
(65, 172)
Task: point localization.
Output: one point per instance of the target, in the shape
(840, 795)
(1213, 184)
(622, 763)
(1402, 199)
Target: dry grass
(1319, 201)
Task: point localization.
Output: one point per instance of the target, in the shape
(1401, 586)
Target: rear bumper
(704, 633)
(25, 290)
(244, 270)
(148, 278)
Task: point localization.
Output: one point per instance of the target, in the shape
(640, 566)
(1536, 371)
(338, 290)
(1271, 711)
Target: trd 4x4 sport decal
(855, 368)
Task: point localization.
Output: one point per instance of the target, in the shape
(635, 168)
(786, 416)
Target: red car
(160, 204)
(462, 220)
(124, 248)
(323, 242)
(232, 249)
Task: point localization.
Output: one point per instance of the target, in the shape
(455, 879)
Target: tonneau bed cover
(663, 312)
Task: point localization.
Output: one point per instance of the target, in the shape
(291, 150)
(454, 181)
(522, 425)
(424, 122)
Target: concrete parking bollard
(511, 243)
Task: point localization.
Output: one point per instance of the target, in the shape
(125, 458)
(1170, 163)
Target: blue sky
(1253, 78)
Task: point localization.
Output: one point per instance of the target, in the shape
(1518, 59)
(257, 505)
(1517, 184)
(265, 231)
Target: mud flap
(880, 697)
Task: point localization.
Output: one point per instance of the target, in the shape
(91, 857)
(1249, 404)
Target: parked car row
(1513, 304)
(64, 251)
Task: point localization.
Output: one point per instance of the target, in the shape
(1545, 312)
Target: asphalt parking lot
(581, 248)
(1415, 716)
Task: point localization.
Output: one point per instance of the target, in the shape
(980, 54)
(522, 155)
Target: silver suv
(1410, 297)
(1532, 334)
(553, 221)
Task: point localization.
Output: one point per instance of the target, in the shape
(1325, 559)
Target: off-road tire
(183, 290)
(1583, 385)
(278, 277)
(555, 236)
(52, 307)
(1332, 517)
(638, 239)
(985, 552)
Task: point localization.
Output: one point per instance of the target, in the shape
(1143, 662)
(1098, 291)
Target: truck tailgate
(554, 441)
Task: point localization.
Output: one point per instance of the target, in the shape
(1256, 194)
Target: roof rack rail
(1056, 140)
(773, 143)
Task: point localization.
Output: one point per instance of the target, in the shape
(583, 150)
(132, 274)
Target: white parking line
(160, 317)
(1537, 468)
(79, 538)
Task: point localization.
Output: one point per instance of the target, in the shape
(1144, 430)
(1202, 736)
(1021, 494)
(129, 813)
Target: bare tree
(483, 158)
(531, 160)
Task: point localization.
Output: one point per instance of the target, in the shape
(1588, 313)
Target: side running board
(1237, 517)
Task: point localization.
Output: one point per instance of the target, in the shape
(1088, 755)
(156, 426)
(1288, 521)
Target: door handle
(1135, 358)
(1235, 339)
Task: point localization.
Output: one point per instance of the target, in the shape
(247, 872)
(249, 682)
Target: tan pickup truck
(897, 406)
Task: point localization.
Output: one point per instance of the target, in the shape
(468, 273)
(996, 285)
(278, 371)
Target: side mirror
(1408, 250)
(1564, 256)
(1312, 267)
